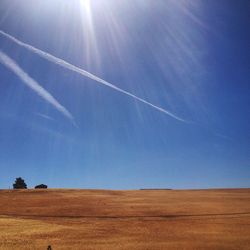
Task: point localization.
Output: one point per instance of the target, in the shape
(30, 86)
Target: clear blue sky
(191, 58)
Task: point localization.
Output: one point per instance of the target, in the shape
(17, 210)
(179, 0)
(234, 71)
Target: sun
(85, 3)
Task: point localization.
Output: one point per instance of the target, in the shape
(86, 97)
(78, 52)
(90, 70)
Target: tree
(19, 184)
(41, 186)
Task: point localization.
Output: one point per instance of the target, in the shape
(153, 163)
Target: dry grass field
(142, 219)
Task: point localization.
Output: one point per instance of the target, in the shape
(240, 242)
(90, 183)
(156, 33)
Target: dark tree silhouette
(41, 186)
(19, 184)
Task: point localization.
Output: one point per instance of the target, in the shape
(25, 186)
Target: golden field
(141, 219)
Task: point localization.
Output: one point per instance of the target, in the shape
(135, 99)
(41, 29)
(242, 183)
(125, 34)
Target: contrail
(35, 86)
(44, 116)
(85, 73)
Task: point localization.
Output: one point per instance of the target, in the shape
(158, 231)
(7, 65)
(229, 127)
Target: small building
(41, 186)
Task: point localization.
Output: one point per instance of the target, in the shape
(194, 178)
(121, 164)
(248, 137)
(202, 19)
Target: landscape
(136, 219)
(124, 125)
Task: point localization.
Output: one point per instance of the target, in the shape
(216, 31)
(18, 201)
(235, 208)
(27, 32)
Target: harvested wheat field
(142, 219)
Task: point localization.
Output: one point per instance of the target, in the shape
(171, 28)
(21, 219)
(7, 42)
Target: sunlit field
(148, 219)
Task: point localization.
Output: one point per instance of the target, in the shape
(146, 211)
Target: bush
(41, 186)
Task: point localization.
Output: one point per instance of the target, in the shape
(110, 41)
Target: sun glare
(85, 3)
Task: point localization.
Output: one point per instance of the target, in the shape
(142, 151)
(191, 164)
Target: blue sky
(191, 58)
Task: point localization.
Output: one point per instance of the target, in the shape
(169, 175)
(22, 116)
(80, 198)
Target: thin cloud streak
(44, 116)
(85, 73)
(35, 86)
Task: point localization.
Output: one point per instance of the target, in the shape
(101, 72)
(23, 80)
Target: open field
(143, 219)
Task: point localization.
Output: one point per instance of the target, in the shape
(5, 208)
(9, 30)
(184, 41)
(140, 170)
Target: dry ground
(99, 219)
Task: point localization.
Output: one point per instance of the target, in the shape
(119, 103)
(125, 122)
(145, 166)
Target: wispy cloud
(34, 85)
(85, 73)
(44, 116)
